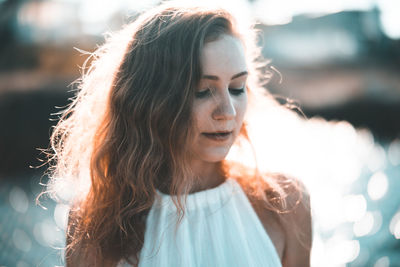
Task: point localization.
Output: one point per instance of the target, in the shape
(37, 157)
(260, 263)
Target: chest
(217, 230)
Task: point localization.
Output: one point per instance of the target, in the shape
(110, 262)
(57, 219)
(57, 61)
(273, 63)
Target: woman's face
(220, 100)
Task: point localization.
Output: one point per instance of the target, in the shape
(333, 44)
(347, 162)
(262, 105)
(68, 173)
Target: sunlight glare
(139, 6)
(317, 252)
(271, 13)
(377, 185)
(376, 159)
(94, 14)
(364, 226)
(61, 212)
(327, 156)
(390, 17)
(394, 226)
(355, 207)
(326, 203)
(339, 250)
(65, 189)
(47, 235)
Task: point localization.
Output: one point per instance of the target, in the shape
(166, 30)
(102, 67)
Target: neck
(208, 175)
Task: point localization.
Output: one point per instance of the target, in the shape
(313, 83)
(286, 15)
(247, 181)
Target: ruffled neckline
(200, 199)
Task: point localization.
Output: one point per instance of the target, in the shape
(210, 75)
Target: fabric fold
(219, 228)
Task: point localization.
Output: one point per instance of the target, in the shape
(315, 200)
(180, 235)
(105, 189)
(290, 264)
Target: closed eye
(207, 92)
(203, 93)
(236, 91)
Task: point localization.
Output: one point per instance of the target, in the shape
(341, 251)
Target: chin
(216, 156)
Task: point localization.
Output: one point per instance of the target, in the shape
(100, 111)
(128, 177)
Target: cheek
(241, 109)
(199, 115)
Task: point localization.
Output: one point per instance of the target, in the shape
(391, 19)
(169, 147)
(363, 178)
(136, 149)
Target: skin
(219, 106)
(224, 109)
(291, 233)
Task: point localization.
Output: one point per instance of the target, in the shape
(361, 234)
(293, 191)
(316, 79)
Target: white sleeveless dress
(220, 228)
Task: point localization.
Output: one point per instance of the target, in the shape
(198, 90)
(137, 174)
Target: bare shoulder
(297, 225)
(289, 229)
(272, 225)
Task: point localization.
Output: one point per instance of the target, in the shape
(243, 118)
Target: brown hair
(127, 131)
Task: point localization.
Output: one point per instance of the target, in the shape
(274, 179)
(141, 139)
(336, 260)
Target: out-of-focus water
(371, 235)
(30, 235)
(368, 236)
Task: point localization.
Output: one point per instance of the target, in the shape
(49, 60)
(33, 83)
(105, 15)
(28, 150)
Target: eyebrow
(216, 78)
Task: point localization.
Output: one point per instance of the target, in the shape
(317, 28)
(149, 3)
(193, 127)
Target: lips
(218, 136)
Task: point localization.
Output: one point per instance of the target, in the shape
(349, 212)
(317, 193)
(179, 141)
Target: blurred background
(338, 60)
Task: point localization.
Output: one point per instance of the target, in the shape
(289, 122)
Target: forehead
(223, 57)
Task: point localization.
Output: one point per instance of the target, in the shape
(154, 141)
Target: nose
(225, 109)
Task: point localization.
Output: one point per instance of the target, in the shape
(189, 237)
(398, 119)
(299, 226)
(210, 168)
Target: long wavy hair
(125, 134)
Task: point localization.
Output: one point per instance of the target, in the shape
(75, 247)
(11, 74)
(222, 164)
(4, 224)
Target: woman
(148, 134)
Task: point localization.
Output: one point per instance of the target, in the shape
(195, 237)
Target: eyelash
(207, 92)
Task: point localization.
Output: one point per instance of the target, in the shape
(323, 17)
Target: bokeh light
(355, 207)
(394, 152)
(352, 176)
(21, 240)
(377, 185)
(21, 263)
(339, 250)
(18, 199)
(368, 225)
(382, 262)
(364, 226)
(47, 234)
(395, 225)
(95, 17)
